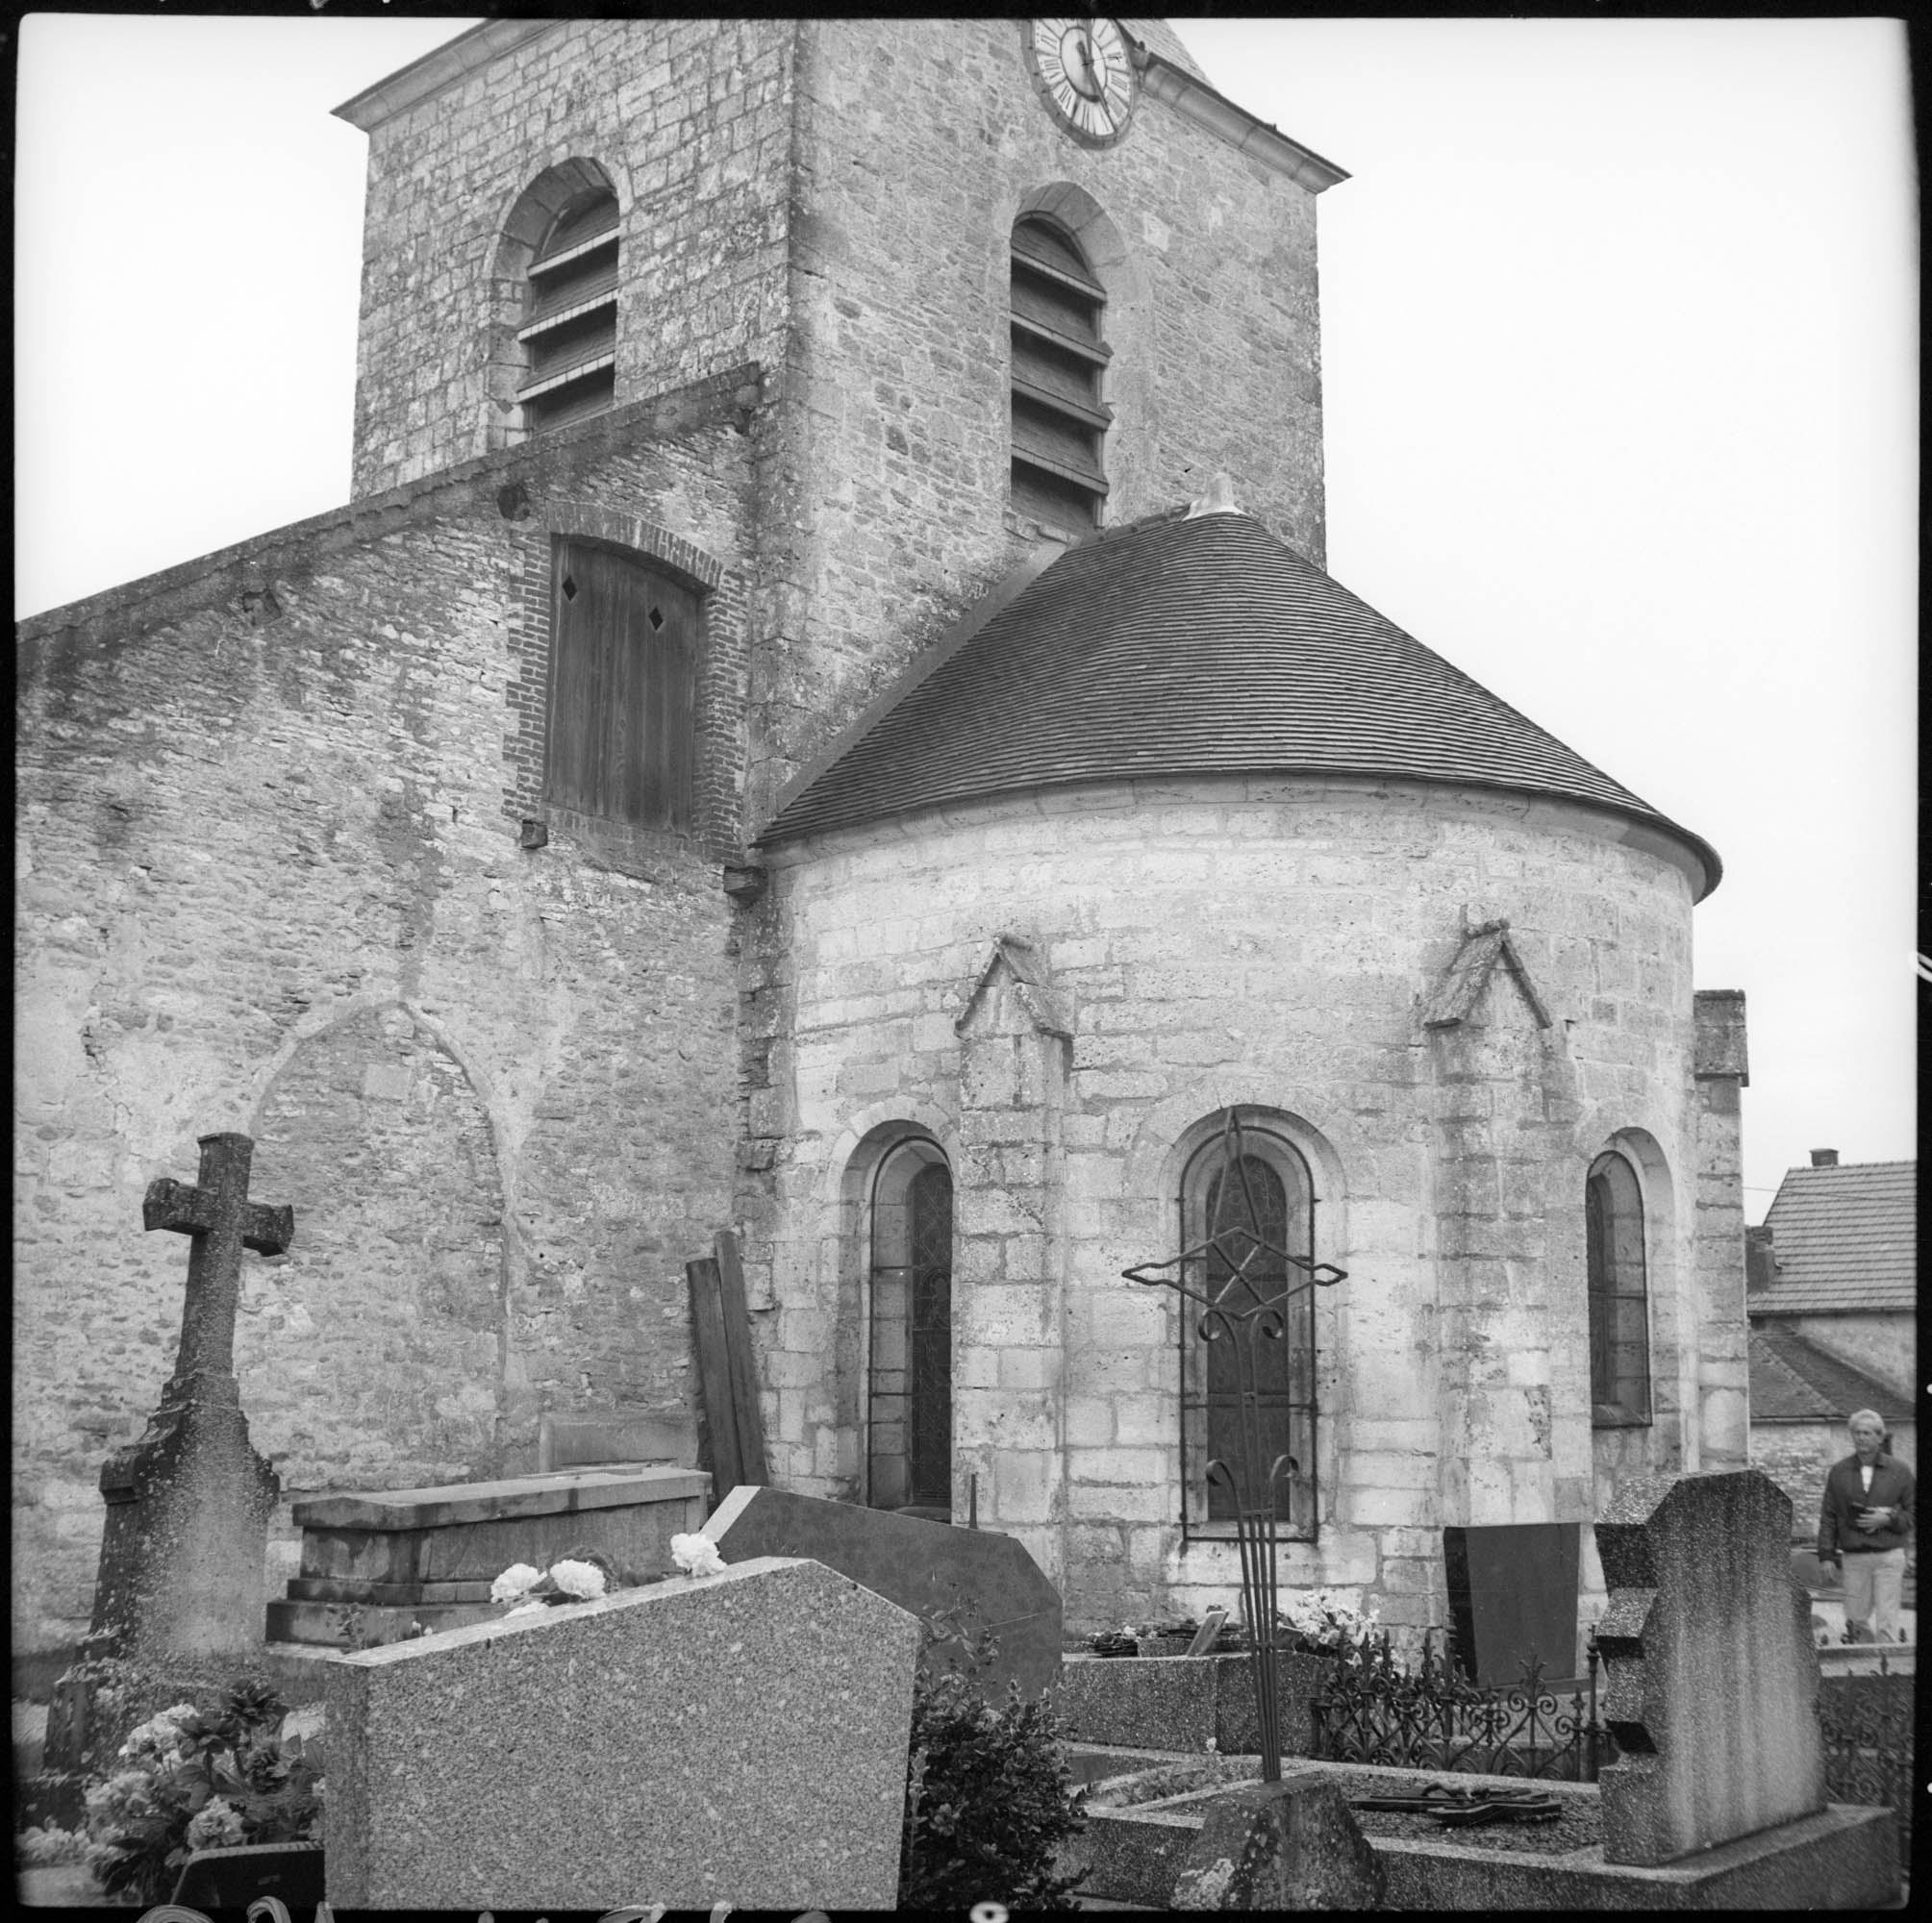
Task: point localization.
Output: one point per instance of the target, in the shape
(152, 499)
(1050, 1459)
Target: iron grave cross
(220, 1222)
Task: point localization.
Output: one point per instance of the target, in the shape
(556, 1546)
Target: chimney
(1761, 1262)
(1825, 1158)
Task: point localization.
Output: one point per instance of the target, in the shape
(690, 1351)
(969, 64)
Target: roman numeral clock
(1084, 72)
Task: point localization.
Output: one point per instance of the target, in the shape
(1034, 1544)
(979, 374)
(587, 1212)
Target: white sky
(1620, 346)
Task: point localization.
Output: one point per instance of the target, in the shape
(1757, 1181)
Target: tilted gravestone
(928, 1568)
(187, 1534)
(1713, 1675)
(735, 1739)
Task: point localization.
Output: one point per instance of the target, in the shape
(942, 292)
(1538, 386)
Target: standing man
(1866, 1518)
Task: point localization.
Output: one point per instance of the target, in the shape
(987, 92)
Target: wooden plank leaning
(714, 1370)
(742, 1370)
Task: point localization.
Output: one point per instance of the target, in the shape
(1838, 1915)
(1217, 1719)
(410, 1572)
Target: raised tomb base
(374, 1565)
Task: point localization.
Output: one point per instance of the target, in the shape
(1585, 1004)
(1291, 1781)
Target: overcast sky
(1620, 349)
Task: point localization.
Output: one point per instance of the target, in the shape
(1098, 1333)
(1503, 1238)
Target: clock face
(1084, 68)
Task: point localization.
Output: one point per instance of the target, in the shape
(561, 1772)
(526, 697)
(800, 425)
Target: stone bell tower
(1001, 280)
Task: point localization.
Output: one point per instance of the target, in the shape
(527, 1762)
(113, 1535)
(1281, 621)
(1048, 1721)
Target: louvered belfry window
(1058, 358)
(569, 328)
(625, 654)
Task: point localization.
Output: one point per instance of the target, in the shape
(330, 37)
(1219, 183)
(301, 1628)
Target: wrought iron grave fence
(1379, 1710)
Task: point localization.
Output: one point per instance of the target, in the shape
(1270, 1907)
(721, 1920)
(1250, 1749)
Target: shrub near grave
(987, 1796)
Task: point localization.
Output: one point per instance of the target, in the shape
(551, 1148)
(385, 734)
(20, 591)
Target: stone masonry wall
(834, 200)
(690, 119)
(919, 144)
(268, 879)
(1273, 944)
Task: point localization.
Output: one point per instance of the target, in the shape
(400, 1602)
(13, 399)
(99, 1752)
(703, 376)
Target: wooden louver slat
(1058, 419)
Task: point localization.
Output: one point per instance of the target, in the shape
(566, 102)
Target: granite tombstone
(737, 1738)
(1713, 1676)
(1512, 1594)
(987, 1581)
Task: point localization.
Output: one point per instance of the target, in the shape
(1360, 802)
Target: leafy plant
(987, 1797)
(189, 1780)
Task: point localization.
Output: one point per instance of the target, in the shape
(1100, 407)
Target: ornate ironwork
(1378, 1709)
(1244, 1254)
(1867, 1723)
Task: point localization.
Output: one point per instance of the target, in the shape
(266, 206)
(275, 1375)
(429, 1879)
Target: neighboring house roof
(1795, 1381)
(1177, 647)
(1843, 1238)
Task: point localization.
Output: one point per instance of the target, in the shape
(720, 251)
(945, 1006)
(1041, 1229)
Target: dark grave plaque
(1513, 1590)
(236, 1878)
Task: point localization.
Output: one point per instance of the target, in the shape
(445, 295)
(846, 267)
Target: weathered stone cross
(222, 1221)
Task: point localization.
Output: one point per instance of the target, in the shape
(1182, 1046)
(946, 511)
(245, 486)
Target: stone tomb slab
(1713, 1675)
(739, 1738)
(922, 1567)
(429, 1556)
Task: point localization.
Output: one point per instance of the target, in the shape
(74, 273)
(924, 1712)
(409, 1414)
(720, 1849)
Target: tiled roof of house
(1795, 1381)
(1843, 1238)
(1178, 647)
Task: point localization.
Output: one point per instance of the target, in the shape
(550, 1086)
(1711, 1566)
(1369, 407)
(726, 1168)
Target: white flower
(696, 1556)
(218, 1826)
(123, 1796)
(516, 1581)
(528, 1610)
(578, 1579)
(158, 1736)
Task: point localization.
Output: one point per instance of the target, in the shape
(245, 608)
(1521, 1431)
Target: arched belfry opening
(1060, 356)
(908, 1413)
(558, 267)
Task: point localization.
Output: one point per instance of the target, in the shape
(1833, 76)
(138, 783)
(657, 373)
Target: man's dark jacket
(1845, 1495)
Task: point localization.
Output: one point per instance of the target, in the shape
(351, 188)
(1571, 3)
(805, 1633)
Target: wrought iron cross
(1250, 1259)
(222, 1221)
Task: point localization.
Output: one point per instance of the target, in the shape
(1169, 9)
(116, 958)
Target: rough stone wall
(1884, 1346)
(268, 879)
(1272, 945)
(690, 119)
(919, 144)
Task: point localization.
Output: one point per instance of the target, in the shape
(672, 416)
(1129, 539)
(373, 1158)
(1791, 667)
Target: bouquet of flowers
(1321, 1622)
(580, 1577)
(189, 1781)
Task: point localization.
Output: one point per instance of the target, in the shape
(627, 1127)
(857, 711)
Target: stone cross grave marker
(1713, 1676)
(187, 1531)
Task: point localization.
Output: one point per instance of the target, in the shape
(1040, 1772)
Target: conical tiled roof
(1182, 647)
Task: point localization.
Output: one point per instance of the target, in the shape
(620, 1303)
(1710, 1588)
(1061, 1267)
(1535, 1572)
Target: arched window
(1058, 357)
(910, 1359)
(1267, 1192)
(1619, 1305)
(570, 329)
